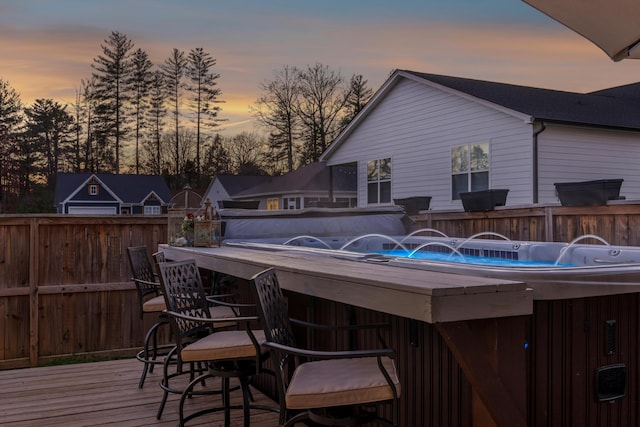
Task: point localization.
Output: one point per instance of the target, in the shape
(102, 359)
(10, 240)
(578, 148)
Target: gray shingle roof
(235, 184)
(129, 188)
(615, 107)
(308, 178)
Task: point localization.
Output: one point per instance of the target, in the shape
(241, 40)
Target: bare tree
(246, 153)
(202, 85)
(216, 158)
(276, 110)
(185, 154)
(322, 99)
(173, 70)
(112, 73)
(357, 97)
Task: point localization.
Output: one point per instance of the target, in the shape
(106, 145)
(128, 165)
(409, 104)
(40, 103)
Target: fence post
(549, 234)
(34, 268)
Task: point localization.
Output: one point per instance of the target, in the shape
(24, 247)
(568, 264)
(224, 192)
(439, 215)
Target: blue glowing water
(470, 259)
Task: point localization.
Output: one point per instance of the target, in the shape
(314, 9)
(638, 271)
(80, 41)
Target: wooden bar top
(416, 294)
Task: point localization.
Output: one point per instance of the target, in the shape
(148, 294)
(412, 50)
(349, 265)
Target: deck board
(104, 394)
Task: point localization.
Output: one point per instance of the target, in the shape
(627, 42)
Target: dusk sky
(48, 46)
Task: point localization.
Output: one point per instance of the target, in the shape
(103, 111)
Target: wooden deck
(103, 394)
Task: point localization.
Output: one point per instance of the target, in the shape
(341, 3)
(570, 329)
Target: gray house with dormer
(434, 135)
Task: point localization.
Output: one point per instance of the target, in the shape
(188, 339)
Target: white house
(225, 187)
(433, 135)
(310, 185)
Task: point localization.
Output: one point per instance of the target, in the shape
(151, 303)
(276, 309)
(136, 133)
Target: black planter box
(484, 200)
(238, 204)
(414, 204)
(588, 193)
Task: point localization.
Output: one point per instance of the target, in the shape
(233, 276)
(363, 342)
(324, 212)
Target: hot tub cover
(318, 222)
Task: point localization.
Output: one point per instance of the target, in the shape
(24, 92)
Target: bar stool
(151, 301)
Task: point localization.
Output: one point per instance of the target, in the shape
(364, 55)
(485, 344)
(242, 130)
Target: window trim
(273, 204)
(155, 210)
(379, 180)
(470, 172)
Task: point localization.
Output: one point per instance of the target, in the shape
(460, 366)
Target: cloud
(49, 61)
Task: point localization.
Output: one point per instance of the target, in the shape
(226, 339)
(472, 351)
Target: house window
(379, 181)
(152, 210)
(469, 168)
(93, 189)
(291, 203)
(272, 205)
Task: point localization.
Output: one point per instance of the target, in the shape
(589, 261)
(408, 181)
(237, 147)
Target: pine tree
(202, 86)
(156, 112)
(112, 73)
(141, 80)
(173, 71)
(10, 118)
(50, 126)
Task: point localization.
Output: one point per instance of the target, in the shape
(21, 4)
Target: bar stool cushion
(223, 345)
(154, 305)
(223, 312)
(353, 381)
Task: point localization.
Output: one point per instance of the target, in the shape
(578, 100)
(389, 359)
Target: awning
(612, 25)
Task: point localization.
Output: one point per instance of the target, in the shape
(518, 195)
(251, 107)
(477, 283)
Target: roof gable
(602, 108)
(616, 107)
(234, 184)
(129, 189)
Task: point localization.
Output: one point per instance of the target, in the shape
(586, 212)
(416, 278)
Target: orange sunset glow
(46, 53)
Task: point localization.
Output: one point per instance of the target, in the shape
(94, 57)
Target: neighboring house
(433, 135)
(311, 185)
(226, 187)
(110, 194)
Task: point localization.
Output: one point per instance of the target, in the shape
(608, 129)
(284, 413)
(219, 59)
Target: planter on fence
(588, 193)
(412, 205)
(483, 200)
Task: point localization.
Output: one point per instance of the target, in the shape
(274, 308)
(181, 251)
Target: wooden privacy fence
(65, 284)
(618, 224)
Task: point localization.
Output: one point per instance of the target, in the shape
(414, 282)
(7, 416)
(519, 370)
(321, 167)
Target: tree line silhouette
(134, 116)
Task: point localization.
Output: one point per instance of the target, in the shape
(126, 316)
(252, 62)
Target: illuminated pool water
(470, 259)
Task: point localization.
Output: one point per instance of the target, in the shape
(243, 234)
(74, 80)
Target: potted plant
(412, 205)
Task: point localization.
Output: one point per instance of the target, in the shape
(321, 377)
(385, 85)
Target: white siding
(417, 125)
(216, 192)
(571, 154)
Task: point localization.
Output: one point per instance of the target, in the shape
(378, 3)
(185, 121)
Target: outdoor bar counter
(470, 313)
